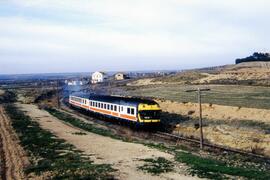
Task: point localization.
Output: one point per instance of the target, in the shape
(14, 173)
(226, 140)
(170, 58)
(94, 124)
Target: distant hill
(246, 73)
(255, 57)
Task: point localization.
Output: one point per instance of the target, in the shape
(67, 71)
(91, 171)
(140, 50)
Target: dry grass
(185, 77)
(229, 95)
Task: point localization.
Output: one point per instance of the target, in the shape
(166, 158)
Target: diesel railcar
(137, 110)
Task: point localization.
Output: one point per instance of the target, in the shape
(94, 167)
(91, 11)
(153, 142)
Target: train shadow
(170, 120)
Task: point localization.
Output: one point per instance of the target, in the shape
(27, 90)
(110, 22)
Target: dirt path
(13, 158)
(124, 156)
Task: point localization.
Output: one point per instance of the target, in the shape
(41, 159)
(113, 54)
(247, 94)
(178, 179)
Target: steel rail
(223, 148)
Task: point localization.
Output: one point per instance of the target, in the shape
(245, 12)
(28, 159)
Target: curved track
(176, 138)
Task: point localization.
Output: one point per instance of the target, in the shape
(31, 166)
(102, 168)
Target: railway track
(175, 138)
(218, 147)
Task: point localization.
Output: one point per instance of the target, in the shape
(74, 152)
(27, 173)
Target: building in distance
(120, 76)
(74, 82)
(98, 77)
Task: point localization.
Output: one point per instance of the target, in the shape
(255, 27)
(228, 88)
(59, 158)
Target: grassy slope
(229, 95)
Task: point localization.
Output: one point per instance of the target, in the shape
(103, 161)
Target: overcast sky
(38, 36)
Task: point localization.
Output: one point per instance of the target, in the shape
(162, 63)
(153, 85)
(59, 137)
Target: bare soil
(124, 156)
(13, 157)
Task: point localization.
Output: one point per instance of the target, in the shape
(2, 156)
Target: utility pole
(199, 90)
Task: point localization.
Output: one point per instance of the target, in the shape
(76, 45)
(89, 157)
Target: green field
(229, 95)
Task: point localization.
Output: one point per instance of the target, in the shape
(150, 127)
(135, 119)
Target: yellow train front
(136, 110)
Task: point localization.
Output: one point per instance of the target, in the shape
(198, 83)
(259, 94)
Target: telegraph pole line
(199, 94)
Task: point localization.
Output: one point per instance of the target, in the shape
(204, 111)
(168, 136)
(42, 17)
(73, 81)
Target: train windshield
(150, 114)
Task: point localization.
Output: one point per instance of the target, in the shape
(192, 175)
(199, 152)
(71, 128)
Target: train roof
(115, 99)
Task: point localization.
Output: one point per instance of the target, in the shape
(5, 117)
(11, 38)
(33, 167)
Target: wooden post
(199, 90)
(200, 118)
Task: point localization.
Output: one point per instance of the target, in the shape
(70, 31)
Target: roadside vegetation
(46, 95)
(206, 167)
(79, 133)
(52, 156)
(80, 124)
(7, 97)
(210, 165)
(157, 166)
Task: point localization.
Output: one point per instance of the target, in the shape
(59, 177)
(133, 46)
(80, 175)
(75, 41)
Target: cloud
(125, 29)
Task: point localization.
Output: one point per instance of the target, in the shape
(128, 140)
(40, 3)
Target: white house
(120, 76)
(74, 82)
(98, 77)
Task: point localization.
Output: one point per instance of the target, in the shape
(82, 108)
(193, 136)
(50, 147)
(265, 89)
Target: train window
(122, 108)
(132, 111)
(128, 110)
(108, 106)
(99, 105)
(115, 108)
(102, 105)
(105, 106)
(111, 107)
